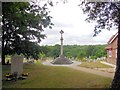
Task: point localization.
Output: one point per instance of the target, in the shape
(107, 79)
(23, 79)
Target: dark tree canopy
(23, 24)
(107, 15)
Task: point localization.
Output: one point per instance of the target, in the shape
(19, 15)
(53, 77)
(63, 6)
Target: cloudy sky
(70, 18)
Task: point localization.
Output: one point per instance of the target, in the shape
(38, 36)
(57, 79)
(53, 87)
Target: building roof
(110, 41)
(112, 38)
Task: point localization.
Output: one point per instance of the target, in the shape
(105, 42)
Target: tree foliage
(23, 24)
(106, 14)
(77, 51)
(54, 51)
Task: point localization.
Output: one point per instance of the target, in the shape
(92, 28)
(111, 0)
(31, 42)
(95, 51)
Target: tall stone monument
(17, 64)
(61, 59)
(61, 50)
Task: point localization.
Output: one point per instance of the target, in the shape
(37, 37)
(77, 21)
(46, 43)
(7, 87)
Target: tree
(56, 51)
(32, 50)
(89, 50)
(81, 55)
(107, 14)
(42, 56)
(22, 24)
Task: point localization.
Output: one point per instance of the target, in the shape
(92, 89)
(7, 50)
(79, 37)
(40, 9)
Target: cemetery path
(93, 71)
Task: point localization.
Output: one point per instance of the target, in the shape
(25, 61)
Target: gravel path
(75, 66)
(93, 71)
(75, 63)
(103, 62)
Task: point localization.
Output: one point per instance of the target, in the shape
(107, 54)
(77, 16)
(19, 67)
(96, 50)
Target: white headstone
(17, 64)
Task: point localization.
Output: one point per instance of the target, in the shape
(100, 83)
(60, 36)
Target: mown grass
(94, 65)
(41, 76)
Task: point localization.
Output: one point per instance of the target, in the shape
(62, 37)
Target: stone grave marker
(17, 64)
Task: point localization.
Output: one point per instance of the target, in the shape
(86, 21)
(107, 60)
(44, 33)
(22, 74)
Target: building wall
(113, 50)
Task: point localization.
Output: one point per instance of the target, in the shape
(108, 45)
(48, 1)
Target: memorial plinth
(61, 59)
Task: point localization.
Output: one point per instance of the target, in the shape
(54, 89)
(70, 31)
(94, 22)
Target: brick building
(112, 49)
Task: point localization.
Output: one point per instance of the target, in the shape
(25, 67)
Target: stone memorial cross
(61, 50)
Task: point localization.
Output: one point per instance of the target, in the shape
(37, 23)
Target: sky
(70, 18)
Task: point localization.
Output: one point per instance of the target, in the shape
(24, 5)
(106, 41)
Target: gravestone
(17, 64)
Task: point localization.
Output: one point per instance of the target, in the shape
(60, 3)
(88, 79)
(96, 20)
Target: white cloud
(71, 20)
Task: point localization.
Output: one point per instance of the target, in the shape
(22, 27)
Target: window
(110, 53)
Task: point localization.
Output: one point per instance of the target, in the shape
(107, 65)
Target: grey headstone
(17, 64)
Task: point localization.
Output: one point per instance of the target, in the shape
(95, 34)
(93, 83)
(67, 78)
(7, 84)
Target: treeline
(75, 51)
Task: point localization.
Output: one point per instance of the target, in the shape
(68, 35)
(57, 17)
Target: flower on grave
(24, 74)
(8, 75)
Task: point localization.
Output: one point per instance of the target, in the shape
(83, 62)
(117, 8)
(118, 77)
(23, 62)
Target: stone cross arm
(61, 32)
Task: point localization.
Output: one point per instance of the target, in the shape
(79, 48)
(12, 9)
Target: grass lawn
(94, 65)
(41, 76)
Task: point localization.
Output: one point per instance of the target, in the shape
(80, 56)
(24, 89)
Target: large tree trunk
(3, 54)
(116, 80)
(3, 60)
(3, 46)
